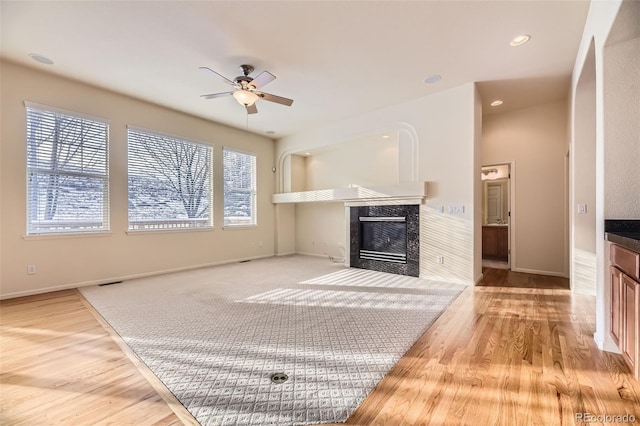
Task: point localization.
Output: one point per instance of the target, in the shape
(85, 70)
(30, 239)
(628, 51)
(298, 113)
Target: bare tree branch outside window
(169, 182)
(67, 173)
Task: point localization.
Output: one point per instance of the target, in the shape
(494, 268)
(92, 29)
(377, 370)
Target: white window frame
(236, 222)
(36, 225)
(169, 224)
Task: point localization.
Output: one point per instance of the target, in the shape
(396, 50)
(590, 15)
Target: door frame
(511, 194)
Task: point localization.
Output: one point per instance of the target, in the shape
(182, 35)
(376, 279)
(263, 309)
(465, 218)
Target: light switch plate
(582, 208)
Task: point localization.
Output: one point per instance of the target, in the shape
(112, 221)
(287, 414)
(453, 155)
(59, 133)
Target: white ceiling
(336, 59)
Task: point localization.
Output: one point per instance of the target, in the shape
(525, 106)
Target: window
(67, 172)
(170, 182)
(239, 188)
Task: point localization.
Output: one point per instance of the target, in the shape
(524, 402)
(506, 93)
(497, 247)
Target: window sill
(54, 236)
(166, 231)
(237, 227)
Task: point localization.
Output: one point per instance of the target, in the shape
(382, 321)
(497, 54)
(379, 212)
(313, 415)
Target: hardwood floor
(499, 355)
(60, 366)
(493, 277)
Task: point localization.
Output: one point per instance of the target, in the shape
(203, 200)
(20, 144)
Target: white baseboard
(124, 278)
(538, 272)
(289, 253)
(605, 343)
(304, 253)
(479, 279)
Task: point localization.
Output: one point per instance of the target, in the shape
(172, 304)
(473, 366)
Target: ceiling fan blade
(225, 79)
(264, 78)
(252, 109)
(273, 98)
(216, 95)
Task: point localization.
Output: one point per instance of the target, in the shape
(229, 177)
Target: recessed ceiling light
(497, 102)
(520, 40)
(270, 132)
(385, 136)
(307, 153)
(42, 59)
(433, 79)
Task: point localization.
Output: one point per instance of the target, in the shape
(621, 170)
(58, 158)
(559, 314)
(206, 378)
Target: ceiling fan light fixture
(245, 97)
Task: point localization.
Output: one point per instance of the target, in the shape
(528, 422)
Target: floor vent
(279, 378)
(111, 283)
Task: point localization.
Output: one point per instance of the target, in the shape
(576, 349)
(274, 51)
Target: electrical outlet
(31, 269)
(440, 260)
(456, 209)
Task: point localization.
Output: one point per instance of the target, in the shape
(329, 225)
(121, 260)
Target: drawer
(626, 260)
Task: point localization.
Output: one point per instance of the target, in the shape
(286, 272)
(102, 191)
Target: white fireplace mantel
(355, 195)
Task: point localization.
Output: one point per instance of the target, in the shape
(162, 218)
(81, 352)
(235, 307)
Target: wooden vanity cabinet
(625, 304)
(616, 307)
(495, 242)
(631, 312)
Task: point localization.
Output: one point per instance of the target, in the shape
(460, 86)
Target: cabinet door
(616, 307)
(503, 243)
(630, 323)
(490, 242)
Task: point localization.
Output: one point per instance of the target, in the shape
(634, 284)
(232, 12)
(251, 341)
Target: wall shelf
(404, 193)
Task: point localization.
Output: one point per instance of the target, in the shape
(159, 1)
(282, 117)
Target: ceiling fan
(246, 88)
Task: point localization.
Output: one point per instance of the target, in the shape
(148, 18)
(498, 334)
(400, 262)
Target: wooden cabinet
(616, 308)
(625, 304)
(631, 330)
(495, 242)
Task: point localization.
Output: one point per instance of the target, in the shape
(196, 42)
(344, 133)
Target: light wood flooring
(499, 355)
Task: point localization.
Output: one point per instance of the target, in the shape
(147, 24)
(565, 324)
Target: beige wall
(320, 229)
(438, 134)
(365, 162)
(535, 140)
(70, 261)
(602, 18)
(622, 128)
(584, 230)
(298, 173)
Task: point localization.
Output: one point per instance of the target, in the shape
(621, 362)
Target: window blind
(170, 182)
(67, 173)
(239, 188)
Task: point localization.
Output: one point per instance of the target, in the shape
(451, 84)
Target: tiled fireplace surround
(380, 231)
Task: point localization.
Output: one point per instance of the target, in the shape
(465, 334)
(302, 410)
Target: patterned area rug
(215, 336)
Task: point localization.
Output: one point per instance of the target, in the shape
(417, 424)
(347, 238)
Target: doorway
(496, 216)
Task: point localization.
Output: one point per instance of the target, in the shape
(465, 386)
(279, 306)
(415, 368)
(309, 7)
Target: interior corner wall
(66, 262)
(600, 21)
(535, 139)
(478, 186)
(583, 275)
(443, 129)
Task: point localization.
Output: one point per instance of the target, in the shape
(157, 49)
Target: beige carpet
(215, 336)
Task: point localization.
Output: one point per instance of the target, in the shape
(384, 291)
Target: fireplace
(385, 238)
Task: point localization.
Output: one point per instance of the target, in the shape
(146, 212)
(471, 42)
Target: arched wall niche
(382, 156)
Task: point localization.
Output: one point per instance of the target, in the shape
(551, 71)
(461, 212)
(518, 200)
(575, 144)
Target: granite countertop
(623, 232)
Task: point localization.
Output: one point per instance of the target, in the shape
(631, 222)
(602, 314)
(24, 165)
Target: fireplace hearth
(385, 238)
